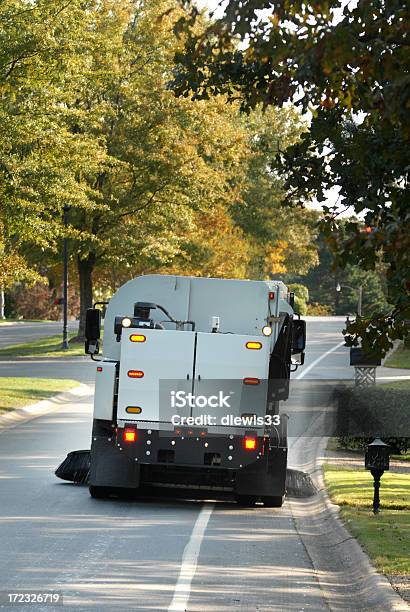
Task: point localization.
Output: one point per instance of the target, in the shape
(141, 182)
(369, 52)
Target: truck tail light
(249, 443)
(271, 295)
(130, 434)
(254, 345)
(135, 374)
(251, 381)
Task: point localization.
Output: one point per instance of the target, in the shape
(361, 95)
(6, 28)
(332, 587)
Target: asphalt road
(154, 554)
(75, 368)
(21, 332)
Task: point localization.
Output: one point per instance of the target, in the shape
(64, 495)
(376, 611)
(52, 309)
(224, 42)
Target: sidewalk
(352, 459)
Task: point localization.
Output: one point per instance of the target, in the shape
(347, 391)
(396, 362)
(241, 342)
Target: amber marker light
(254, 345)
(133, 410)
(135, 374)
(137, 338)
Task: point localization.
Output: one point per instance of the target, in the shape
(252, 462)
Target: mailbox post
(365, 366)
(377, 461)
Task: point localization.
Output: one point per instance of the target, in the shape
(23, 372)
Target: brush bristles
(75, 467)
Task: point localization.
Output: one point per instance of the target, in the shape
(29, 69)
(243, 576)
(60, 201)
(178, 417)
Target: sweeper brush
(75, 467)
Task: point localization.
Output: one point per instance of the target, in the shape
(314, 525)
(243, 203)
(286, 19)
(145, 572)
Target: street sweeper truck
(188, 391)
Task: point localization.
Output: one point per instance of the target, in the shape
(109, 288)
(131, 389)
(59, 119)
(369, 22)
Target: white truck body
(144, 367)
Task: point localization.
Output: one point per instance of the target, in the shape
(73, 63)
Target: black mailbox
(377, 456)
(359, 358)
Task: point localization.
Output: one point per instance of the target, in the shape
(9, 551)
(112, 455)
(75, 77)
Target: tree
(163, 159)
(134, 164)
(154, 182)
(323, 279)
(39, 43)
(278, 242)
(350, 74)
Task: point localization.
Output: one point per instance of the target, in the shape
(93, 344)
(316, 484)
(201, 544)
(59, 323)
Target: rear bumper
(211, 462)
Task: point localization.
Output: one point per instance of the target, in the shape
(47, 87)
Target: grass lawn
(384, 536)
(399, 359)
(17, 392)
(45, 347)
(3, 321)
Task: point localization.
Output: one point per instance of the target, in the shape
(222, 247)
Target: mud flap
(264, 477)
(112, 468)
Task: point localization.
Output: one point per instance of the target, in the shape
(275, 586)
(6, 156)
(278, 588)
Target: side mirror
(299, 336)
(298, 359)
(92, 331)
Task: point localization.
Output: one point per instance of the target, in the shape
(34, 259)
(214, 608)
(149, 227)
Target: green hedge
(367, 412)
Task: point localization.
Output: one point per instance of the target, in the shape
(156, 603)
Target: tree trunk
(85, 271)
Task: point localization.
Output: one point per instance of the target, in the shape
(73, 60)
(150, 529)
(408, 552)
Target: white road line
(318, 360)
(393, 377)
(182, 589)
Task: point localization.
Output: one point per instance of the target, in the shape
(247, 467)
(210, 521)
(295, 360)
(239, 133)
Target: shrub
(301, 297)
(367, 412)
(38, 302)
(319, 310)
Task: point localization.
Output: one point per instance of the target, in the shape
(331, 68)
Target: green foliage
(396, 444)
(153, 182)
(278, 242)
(322, 280)
(382, 410)
(350, 73)
(318, 310)
(301, 297)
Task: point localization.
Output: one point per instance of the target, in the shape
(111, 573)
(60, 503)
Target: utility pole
(359, 301)
(2, 304)
(359, 295)
(65, 279)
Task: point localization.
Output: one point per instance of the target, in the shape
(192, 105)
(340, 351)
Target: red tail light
(249, 443)
(129, 434)
(251, 381)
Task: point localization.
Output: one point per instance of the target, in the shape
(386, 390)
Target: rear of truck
(192, 410)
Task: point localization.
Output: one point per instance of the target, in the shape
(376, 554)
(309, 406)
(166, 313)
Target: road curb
(33, 411)
(375, 583)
